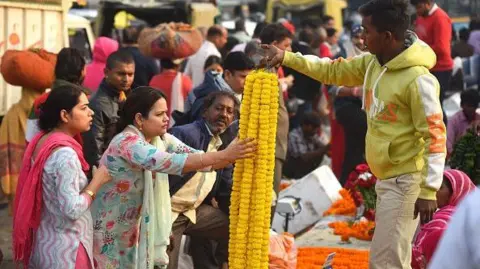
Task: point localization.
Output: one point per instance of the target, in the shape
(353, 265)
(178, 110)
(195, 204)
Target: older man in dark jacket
(195, 209)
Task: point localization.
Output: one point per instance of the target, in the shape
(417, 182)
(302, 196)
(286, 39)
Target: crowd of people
(127, 154)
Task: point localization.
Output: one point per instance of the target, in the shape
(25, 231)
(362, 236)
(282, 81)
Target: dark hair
(310, 23)
(312, 119)
(447, 183)
(470, 98)
(240, 25)
(258, 29)
(70, 65)
(141, 100)
(464, 34)
(231, 43)
(62, 98)
(238, 61)
(416, 2)
(331, 32)
(388, 15)
(211, 60)
(119, 56)
(210, 99)
(252, 48)
(131, 34)
(307, 36)
(215, 31)
(275, 32)
(167, 64)
(474, 23)
(327, 18)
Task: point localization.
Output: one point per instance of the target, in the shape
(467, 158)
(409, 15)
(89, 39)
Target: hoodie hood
(212, 82)
(418, 53)
(104, 46)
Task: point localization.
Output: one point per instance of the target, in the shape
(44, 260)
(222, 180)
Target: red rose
(369, 214)
(362, 168)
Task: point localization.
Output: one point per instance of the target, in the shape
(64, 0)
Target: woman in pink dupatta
(52, 224)
(456, 185)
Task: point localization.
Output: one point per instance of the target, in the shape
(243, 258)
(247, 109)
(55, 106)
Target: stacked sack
(170, 41)
(33, 69)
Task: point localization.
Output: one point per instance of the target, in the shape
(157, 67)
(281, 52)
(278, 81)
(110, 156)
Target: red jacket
(436, 30)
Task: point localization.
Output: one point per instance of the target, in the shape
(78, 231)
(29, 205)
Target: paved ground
(6, 239)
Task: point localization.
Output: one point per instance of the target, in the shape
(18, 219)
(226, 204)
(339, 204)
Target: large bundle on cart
(32, 69)
(170, 41)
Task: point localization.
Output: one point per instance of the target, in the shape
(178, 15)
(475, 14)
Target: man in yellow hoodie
(406, 141)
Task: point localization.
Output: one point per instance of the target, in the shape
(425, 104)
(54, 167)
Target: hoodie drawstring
(365, 83)
(375, 100)
(372, 112)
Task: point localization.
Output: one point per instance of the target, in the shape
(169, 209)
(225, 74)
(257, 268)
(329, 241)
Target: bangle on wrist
(90, 193)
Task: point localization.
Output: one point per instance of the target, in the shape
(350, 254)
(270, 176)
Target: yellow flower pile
(253, 178)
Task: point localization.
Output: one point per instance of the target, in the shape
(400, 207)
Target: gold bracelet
(90, 193)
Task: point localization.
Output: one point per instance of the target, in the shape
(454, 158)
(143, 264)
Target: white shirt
(196, 63)
(460, 244)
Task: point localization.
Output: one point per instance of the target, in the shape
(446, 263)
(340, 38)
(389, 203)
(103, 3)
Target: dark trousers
(211, 224)
(354, 122)
(444, 78)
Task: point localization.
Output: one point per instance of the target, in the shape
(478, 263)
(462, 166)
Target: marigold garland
(314, 258)
(344, 206)
(252, 179)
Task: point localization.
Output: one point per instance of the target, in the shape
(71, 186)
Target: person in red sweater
(434, 27)
(175, 85)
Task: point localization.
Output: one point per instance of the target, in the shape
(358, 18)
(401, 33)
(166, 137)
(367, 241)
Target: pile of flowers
(314, 257)
(362, 229)
(344, 206)
(361, 183)
(251, 199)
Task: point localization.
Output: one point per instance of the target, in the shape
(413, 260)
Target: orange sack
(33, 69)
(170, 41)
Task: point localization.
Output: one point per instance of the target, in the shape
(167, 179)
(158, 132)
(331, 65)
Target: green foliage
(466, 156)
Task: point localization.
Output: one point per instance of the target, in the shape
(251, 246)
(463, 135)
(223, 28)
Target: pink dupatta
(29, 201)
(430, 233)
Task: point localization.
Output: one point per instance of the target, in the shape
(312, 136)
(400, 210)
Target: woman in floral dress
(119, 210)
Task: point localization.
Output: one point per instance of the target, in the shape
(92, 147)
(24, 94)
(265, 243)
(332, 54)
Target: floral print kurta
(116, 210)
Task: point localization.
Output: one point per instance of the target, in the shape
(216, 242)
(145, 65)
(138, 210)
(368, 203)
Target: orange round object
(14, 39)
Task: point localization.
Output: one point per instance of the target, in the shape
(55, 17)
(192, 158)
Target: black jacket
(105, 105)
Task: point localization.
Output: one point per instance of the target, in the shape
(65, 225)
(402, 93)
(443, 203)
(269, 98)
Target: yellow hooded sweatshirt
(406, 133)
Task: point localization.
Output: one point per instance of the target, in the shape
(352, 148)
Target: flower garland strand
(251, 198)
(238, 173)
(272, 131)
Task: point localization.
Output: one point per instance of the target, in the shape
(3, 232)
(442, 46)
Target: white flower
(365, 176)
